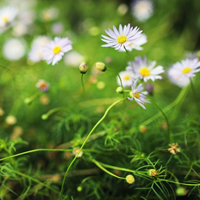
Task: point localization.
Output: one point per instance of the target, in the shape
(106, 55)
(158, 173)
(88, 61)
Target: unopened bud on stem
(100, 66)
(83, 67)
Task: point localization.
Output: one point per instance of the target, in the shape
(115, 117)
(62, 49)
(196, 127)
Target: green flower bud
(79, 188)
(100, 66)
(152, 172)
(180, 191)
(83, 67)
(130, 179)
(44, 117)
(120, 90)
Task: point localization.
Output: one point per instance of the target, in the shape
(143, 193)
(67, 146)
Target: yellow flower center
(43, 85)
(5, 19)
(144, 71)
(136, 95)
(121, 39)
(127, 77)
(186, 70)
(56, 50)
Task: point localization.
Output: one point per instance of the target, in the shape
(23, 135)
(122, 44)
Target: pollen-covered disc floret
(42, 85)
(186, 68)
(54, 50)
(122, 38)
(7, 15)
(126, 78)
(138, 94)
(145, 70)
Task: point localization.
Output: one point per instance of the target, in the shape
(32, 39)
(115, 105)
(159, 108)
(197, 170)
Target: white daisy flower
(181, 81)
(126, 77)
(137, 43)
(122, 38)
(142, 9)
(36, 52)
(185, 68)
(7, 15)
(73, 59)
(55, 49)
(145, 70)
(138, 94)
(14, 49)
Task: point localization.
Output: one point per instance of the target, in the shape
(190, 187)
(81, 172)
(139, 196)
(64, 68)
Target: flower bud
(120, 90)
(100, 66)
(143, 128)
(83, 68)
(180, 191)
(44, 117)
(152, 172)
(79, 188)
(130, 179)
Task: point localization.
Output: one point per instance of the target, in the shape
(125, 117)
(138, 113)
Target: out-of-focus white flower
(122, 9)
(7, 15)
(137, 43)
(11, 120)
(19, 29)
(27, 17)
(126, 77)
(73, 59)
(138, 94)
(185, 68)
(145, 70)
(181, 81)
(142, 9)
(57, 28)
(54, 50)
(36, 52)
(122, 38)
(49, 14)
(14, 49)
(42, 85)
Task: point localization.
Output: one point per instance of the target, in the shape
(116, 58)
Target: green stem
(32, 151)
(118, 76)
(167, 121)
(82, 82)
(45, 116)
(194, 94)
(118, 168)
(106, 112)
(33, 179)
(180, 97)
(105, 170)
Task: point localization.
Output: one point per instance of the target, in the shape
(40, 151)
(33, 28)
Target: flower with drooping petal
(145, 70)
(7, 15)
(122, 38)
(185, 68)
(137, 43)
(138, 94)
(126, 78)
(54, 50)
(42, 85)
(142, 9)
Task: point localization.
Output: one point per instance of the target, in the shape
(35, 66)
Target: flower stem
(82, 82)
(105, 170)
(105, 114)
(167, 121)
